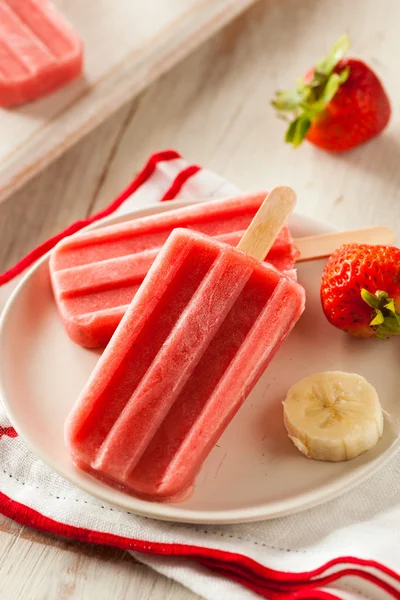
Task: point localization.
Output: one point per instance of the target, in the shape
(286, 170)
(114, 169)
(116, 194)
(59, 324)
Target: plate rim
(173, 512)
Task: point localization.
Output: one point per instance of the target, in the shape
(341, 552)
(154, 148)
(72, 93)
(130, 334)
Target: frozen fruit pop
(39, 51)
(95, 274)
(197, 336)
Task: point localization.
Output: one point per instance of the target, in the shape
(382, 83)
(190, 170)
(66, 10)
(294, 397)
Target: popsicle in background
(201, 330)
(39, 51)
(96, 274)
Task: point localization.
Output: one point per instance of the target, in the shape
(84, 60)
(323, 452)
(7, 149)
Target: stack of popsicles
(199, 332)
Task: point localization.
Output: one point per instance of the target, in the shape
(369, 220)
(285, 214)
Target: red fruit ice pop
(39, 51)
(96, 274)
(204, 325)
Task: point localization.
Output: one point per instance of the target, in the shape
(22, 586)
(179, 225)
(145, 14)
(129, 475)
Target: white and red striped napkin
(347, 548)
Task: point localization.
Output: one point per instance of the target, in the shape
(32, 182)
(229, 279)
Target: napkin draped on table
(293, 557)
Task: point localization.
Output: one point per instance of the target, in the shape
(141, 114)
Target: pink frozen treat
(199, 333)
(96, 274)
(39, 51)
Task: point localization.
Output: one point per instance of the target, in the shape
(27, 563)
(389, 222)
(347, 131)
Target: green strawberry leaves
(297, 130)
(333, 83)
(308, 100)
(386, 321)
(326, 65)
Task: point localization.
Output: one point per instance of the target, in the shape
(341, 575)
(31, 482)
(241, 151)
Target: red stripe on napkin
(265, 588)
(274, 592)
(279, 582)
(38, 252)
(179, 181)
(217, 560)
(9, 431)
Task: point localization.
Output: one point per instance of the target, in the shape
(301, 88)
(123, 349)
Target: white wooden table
(213, 108)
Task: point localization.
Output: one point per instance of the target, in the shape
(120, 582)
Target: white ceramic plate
(254, 472)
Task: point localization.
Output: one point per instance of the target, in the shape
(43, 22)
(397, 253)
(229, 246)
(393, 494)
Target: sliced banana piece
(333, 415)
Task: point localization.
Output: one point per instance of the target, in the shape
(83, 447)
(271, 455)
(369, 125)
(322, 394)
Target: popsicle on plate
(197, 336)
(95, 274)
(39, 51)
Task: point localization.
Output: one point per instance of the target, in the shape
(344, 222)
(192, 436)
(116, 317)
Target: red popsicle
(95, 274)
(197, 336)
(39, 51)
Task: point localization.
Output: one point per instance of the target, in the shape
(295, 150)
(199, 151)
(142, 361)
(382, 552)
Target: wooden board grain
(127, 45)
(45, 567)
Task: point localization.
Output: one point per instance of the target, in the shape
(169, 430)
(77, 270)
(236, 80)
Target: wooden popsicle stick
(320, 246)
(267, 222)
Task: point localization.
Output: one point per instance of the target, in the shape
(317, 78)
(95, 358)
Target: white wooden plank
(62, 194)
(35, 566)
(127, 45)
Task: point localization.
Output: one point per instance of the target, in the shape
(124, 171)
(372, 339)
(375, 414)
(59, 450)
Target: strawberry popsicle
(95, 274)
(39, 51)
(197, 336)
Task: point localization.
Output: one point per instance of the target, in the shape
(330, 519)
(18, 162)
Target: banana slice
(333, 415)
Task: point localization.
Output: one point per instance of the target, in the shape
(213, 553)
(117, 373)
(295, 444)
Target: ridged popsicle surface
(96, 274)
(39, 51)
(196, 338)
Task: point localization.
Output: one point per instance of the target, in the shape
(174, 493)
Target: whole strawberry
(337, 105)
(360, 290)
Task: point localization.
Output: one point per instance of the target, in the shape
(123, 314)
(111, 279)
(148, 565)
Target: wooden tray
(127, 45)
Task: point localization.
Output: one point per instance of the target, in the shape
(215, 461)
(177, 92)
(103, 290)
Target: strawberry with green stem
(360, 290)
(339, 104)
